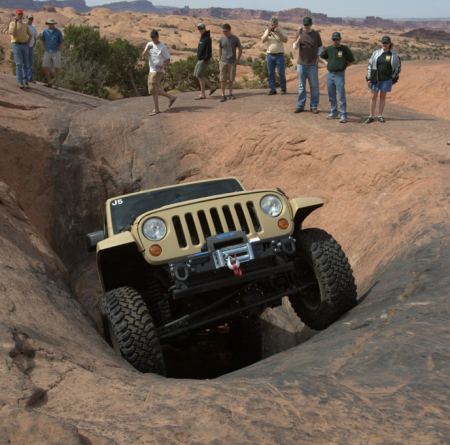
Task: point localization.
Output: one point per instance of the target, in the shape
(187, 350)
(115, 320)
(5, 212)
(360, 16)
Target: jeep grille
(194, 227)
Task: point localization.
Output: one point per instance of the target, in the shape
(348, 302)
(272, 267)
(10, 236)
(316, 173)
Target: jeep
(177, 260)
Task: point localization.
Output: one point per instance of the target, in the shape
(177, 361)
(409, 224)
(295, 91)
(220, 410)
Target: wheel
(130, 330)
(323, 270)
(157, 302)
(246, 340)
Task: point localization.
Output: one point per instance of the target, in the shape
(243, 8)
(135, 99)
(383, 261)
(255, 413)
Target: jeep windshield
(126, 209)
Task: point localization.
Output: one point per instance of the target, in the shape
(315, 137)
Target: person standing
(339, 57)
(228, 44)
(20, 36)
(275, 37)
(382, 72)
(158, 59)
(31, 45)
(204, 54)
(309, 44)
(53, 40)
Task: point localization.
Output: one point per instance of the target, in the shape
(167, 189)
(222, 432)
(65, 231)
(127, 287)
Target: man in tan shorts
(53, 40)
(228, 44)
(159, 58)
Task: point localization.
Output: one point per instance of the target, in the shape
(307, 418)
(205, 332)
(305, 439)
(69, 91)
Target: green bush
(180, 74)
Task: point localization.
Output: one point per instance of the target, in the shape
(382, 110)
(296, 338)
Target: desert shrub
(259, 68)
(180, 74)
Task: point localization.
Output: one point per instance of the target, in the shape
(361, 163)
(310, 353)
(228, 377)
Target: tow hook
(181, 272)
(289, 246)
(234, 265)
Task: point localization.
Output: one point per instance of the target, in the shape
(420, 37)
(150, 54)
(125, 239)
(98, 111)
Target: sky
(347, 8)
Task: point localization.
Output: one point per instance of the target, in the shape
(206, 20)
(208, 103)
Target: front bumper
(209, 270)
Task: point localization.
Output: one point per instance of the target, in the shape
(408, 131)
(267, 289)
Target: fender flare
(302, 207)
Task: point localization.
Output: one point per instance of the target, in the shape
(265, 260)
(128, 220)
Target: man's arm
(265, 36)
(283, 36)
(240, 50)
(349, 56)
(12, 28)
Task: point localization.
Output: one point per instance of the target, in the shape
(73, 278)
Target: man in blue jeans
(339, 57)
(308, 43)
(274, 37)
(20, 36)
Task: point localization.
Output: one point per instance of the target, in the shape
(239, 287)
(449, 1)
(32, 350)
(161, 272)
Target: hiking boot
(299, 110)
(272, 92)
(381, 119)
(332, 116)
(314, 110)
(343, 120)
(223, 99)
(369, 120)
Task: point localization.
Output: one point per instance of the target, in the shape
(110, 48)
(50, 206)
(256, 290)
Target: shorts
(201, 68)
(52, 60)
(227, 71)
(385, 86)
(155, 79)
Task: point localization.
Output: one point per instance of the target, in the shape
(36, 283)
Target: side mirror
(93, 238)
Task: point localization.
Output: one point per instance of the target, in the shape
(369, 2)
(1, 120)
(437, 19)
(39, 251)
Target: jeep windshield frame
(125, 209)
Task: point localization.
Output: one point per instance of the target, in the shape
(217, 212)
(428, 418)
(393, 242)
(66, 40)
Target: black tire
(157, 302)
(332, 290)
(246, 340)
(129, 328)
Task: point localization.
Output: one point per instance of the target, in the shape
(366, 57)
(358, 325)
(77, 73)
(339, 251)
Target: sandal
(154, 113)
(200, 98)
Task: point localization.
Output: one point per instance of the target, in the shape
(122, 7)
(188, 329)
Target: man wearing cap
(274, 37)
(158, 60)
(31, 45)
(339, 57)
(53, 40)
(309, 44)
(204, 54)
(382, 72)
(20, 36)
(229, 44)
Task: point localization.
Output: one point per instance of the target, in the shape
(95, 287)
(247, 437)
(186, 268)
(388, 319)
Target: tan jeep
(177, 260)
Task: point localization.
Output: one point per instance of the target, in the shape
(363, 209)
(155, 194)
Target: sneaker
(314, 110)
(223, 99)
(272, 92)
(369, 120)
(381, 119)
(231, 97)
(283, 92)
(332, 116)
(21, 86)
(343, 120)
(299, 110)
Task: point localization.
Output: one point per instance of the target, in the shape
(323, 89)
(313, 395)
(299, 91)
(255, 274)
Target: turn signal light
(283, 223)
(155, 250)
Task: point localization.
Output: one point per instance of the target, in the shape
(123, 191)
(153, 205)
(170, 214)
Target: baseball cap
(19, 11)
(50, 22)
(386, 39)
(307, 21)
(201, 26)
(336, 36)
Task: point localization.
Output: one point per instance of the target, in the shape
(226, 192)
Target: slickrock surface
(379, 375)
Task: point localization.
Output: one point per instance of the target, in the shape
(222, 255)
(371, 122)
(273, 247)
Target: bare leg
(382, 103)
(47, 73)
(156, 101)
(374, 103)
(230, 87)
(223, 86)
(171, 98)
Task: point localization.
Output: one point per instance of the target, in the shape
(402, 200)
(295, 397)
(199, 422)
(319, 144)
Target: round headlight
(271, 205)
(154, 229)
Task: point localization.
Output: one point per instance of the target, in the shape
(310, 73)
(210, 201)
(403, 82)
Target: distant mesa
(434, 35)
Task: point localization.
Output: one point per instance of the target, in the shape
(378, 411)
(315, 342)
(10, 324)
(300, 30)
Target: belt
(274, 54)
(19, 43)
(339, 71)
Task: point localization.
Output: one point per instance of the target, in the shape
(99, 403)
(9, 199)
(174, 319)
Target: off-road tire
(130, 328)
(321, 261)
(246, 340)
(157, 302)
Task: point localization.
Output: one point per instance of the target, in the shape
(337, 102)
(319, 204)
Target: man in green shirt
(339, 57)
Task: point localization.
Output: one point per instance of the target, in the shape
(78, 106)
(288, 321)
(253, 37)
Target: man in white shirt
(31, 45)
(158, 59)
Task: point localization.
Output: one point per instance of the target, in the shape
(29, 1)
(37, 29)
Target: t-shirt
(384, 66)
(52, 39)
(157, 55)
(19, 32)
(34, 35)
(229, 46)
(338, 57)
(274, 41)
(308, 47)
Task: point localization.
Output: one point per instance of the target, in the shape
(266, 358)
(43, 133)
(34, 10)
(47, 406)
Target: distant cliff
(32, 5)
